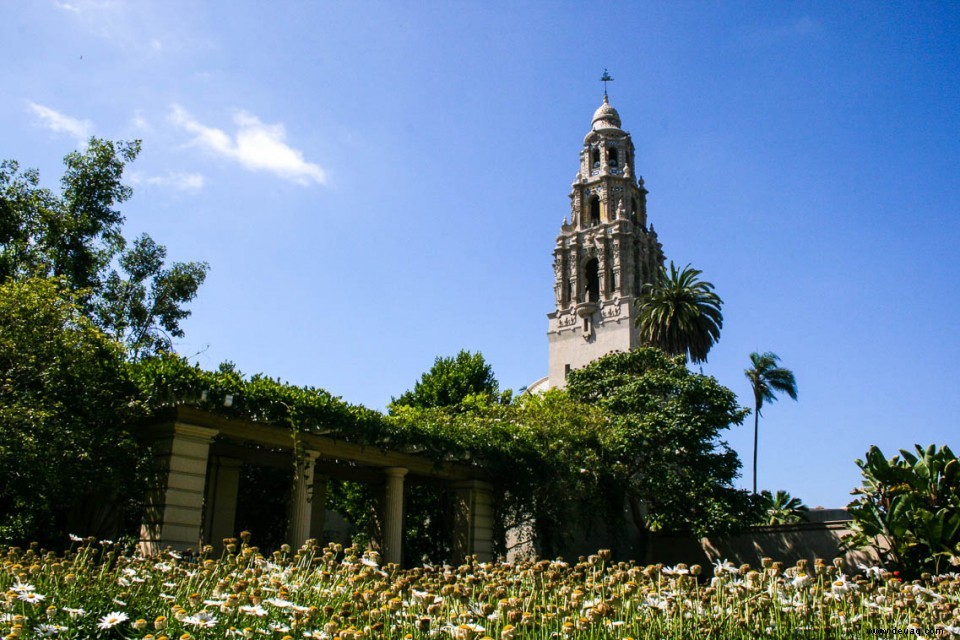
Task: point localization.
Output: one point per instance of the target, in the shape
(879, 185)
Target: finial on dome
(605, 78)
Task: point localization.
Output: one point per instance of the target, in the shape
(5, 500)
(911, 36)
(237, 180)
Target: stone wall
(819, 537)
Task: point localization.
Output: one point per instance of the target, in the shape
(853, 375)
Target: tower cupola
(606, 117)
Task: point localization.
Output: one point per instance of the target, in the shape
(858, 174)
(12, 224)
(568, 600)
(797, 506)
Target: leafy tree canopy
(76, 235)
(665, 428)
(450, 382)
(63, 395)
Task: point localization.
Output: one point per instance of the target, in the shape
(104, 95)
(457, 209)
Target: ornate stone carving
(566, 320)
(611, 311)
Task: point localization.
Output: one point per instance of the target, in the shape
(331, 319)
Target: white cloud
(66, 6)
(172, 180)
(62, 123)
(256, 145)
(139, 122)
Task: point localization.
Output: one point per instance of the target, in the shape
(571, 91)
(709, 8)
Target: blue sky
(377, 184)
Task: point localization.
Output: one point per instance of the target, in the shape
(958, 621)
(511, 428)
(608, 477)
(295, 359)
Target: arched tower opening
(613, 157)
(593, 209)
(591, 272)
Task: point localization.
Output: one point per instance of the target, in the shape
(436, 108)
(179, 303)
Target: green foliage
(664, 440)
(908, 509)
(168, 379)
(450, 382)
(63, 397)
(537, 451)
(781, 508)
(76, 236)
(767, 379)
(143, 307)
(680, 314)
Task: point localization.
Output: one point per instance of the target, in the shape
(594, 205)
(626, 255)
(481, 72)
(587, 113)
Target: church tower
(604, 254)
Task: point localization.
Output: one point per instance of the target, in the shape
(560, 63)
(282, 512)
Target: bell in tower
(605, 254)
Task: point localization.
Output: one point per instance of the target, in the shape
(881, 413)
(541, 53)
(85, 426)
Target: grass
(96, 590)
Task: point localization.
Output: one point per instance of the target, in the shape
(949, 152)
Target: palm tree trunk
(756, 429)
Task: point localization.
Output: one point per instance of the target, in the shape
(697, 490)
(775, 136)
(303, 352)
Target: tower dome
(606, 117)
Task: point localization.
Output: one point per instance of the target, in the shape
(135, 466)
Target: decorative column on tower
(605, 255)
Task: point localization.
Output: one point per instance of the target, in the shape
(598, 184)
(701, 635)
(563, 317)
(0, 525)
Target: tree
(767, 379)
(77, 235)
(143, 310)
(64, 460)
(450, 381)
(781, 508)
(665, 425)
(680, 314)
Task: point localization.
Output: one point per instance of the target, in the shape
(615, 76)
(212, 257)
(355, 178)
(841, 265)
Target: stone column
(175, 505)
(318, 506)
(393, 514)
(473, 520)
(300, 503)
(221, 506)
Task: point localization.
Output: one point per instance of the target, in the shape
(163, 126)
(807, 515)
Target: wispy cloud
(66, 6)
(802, 27)
(171, 180)
(139, 122)
(132, 26)
(255, 145)
(61, 123)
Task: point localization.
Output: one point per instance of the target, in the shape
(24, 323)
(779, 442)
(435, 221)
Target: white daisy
(30, 596)
(112, 619)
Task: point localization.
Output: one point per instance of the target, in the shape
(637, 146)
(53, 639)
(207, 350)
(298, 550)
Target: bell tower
(604, 254)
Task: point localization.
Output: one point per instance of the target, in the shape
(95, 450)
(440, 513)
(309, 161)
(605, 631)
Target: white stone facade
(604, 255)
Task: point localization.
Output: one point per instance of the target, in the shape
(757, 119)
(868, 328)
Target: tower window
(612, 157)
(596, 157)
(594, 209)
(592, 274)
(633, 209)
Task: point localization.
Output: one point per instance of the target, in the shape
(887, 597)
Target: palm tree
(680, 314)
(767, 379)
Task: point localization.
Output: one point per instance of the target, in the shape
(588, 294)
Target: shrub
(908, 509)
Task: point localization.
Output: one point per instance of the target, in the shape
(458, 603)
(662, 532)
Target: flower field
(97, 591)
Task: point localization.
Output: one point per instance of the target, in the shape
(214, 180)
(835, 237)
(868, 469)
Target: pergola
(197, 457)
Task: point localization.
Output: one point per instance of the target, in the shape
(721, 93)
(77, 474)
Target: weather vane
(605, 78)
